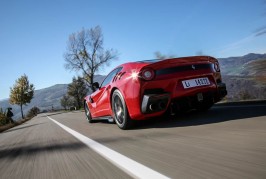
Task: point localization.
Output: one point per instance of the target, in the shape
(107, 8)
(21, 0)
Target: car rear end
(180, 84)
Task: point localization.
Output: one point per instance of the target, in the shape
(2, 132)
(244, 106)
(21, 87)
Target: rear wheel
(120, 111)
(87, 113)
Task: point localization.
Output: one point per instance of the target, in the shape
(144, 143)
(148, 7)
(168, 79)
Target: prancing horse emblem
(193, 67)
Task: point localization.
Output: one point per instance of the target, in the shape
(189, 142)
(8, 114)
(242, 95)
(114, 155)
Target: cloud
(260, 31)
(238, 43)
(232, 48)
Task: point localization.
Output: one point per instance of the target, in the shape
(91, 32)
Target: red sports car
(145, 89)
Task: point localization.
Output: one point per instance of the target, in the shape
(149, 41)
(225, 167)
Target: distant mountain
(254, 68)
(244, 76)
(244, 65)
(46, 99)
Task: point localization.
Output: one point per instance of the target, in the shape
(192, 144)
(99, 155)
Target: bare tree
(78, 90)
(65, 101)
(85, 53)
(160, 56)
(200, 53)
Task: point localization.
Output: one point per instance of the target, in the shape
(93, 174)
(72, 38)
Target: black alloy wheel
(120, 111)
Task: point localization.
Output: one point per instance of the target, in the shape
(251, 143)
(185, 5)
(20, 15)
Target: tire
(87, 113)
(120, 111)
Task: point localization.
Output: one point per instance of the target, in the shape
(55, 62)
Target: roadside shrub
(33, 112)
(245, 95)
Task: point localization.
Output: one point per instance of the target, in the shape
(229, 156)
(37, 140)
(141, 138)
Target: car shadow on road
(35, 149)
(216, 114)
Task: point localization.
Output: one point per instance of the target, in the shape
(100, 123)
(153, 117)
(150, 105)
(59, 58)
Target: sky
(34, 33)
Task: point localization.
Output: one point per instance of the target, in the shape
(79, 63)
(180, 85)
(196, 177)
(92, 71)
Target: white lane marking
(128, 165)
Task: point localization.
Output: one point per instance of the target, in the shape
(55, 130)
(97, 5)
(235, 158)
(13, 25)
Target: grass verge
(8, 126)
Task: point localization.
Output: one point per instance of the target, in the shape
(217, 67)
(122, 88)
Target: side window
(110, 76)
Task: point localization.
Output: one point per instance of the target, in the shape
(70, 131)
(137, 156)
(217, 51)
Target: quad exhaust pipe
(157, 106)
(154, 102)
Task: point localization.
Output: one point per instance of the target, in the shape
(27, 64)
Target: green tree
(78, 90)
(85, 52)
(21, 93)
(65, 101)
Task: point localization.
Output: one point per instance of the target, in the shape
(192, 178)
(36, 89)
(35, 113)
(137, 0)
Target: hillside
(244, 76)
(245, 88)
(243, 66)
(254, 68)
(45, 99)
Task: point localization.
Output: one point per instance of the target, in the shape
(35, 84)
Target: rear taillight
(147, 74)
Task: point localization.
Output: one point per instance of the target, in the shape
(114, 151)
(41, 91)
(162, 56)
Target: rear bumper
(155, 97)
(155, 103)
(152, 103)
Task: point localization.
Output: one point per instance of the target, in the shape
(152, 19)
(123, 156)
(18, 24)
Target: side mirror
(95, 85)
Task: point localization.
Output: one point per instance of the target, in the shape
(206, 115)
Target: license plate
(196, 82)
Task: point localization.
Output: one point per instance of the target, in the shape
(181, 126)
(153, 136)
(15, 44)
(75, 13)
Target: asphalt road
(228, 141)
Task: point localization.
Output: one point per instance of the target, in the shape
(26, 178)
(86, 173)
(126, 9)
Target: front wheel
(120, 111)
